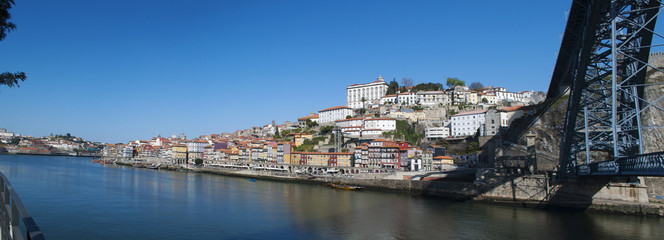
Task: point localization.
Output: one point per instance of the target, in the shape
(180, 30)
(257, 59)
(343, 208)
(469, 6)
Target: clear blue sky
(115, 71)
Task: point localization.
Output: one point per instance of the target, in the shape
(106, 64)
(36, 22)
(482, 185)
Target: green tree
(349, 116)
(453, 82)
(276, 132)
(310, 123)
(392, 87)
(198, 161)
(484, 100)
(7, 78)
(476, 86)
(427, 87)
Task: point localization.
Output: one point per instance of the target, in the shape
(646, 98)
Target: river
(73, 198)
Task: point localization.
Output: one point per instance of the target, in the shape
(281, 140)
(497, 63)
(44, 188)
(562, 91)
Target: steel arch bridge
(603, 63)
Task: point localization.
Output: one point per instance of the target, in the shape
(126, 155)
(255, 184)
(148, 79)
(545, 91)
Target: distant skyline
(115, 71)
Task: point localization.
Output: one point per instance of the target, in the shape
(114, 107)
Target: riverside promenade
(481, 185)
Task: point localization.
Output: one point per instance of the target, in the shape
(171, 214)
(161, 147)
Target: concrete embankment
(534, 191)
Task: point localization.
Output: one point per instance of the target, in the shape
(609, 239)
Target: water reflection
(73, 198)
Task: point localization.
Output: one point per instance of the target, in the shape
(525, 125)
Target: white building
(433, 133)
(388, 99)
(5, 134)
(334, 113)
(384, 124)
(351, 122)
(508, 96)
(432, 98)
(407, 98)
(369, 92)
(197, 146)
(357, 127)
(467, 123)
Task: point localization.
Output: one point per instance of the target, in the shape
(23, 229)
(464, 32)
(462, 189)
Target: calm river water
(72, 198)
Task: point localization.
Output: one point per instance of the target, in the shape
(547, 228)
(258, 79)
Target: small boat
(96, 160)
(345, 187)
(252, 180)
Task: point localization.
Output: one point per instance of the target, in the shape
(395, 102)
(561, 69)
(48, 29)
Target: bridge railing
(14, 218)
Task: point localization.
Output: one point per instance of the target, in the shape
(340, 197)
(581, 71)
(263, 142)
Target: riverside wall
(533, 191)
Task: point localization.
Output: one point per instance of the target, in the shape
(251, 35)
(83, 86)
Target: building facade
(360, 95)
(468, 123)
(334, 113)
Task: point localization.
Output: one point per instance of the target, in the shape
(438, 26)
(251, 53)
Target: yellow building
(440, 161)
(300, 137)
(295, 158)
(179, 153)
(322, 159)
(344, 159)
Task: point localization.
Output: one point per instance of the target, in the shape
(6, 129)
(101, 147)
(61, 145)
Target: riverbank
(531, 191)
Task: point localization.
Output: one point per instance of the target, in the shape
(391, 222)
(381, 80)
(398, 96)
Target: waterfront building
(442, 162)
(359, 95)
(209, 154)
(427, 161)
(179, 153)
(128, 152)
(296, 157)
(382, 153)
(284, 152)
(320, 159)
(334, 113)
(468, 123)
(244, 154)
(272, 150)
(361, 154)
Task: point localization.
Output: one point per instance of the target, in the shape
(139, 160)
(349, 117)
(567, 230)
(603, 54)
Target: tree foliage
(392, 87)
(7, 78)
(476, 86)
(427, 87)
(451, 82)
(407, 132)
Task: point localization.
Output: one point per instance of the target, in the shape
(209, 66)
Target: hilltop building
(358, 95)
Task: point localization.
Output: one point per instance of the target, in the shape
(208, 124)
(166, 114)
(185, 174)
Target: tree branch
(11, 79)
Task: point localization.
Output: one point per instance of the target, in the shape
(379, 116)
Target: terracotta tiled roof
(308, 117)
(334, 108)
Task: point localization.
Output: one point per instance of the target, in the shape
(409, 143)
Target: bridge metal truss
(604, 61)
